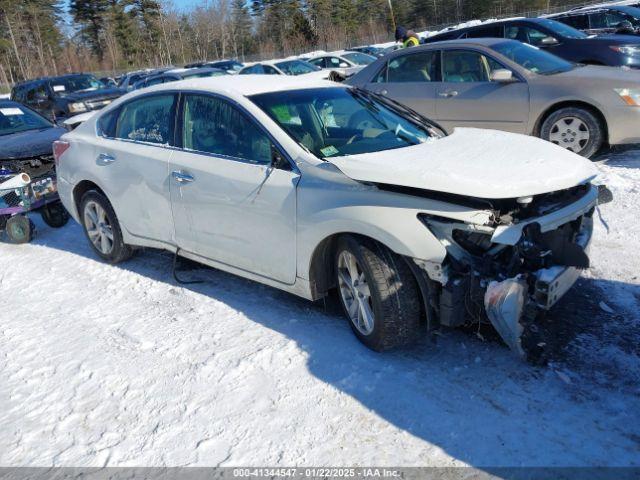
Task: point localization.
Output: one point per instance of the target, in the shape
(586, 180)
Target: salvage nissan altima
(315, 186)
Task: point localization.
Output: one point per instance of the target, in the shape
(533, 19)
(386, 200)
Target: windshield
(76, 83)
(333, 122)
(296, 67)
(15, 119)
(532, 58)
(632, 15)
(563, 30)
(359, 58)
(230, 65)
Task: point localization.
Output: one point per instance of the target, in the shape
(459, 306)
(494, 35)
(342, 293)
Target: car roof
(244, 85)
(49, 78)
(483, 42)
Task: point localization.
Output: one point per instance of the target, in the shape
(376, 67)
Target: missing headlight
(473, 242)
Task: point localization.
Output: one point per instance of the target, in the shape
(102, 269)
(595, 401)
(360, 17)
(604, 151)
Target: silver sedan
(507, 85)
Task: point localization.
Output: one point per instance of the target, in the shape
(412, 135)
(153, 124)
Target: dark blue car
(557, 38)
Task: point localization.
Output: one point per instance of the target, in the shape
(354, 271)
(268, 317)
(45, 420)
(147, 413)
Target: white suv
(315, 186)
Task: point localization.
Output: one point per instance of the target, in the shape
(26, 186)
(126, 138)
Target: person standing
(408, 37)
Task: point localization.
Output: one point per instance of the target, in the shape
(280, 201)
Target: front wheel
(102, 228)
(576, 129)
(378, 292)
(55, 215)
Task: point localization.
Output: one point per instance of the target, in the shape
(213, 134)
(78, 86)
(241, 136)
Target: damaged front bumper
(512, 305)
(511, 274)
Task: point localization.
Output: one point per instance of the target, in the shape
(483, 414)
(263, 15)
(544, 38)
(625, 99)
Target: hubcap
(98, 227)
(355, 293)
(570, 133)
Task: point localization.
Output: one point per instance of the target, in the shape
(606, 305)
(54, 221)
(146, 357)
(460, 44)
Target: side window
(613, 19)
(464, 66)
(414, 67)
(107, 123)
(335, 62)
(491, 31)
(268, 70)
(318, 62)
(524, 34)
(154, 81)
(212, 125)
(37, 92)
(148, 119)
(581, 22)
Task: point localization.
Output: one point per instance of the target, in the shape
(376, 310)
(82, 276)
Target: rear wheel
(378, 292)
(102, 228)
(576, 129)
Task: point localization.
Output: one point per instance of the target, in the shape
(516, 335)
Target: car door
(469, 98)
(411, 79)
(132, 164)
(229, 204)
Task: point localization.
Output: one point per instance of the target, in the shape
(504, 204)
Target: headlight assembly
(77, 107)
(631, 96)
(631, 50)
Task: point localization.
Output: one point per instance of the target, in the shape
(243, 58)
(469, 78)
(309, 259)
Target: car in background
(317, 187)
(178, 74)
(609, 19)
(507, 85)
(128, 80)
(26, 147)
(369, 50)
(229, 66)
(293, 67)
(557, 38)
(65, 96)
(345, 62)
(109, 81)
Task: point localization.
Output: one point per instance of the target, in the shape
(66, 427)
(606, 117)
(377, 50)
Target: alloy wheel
(355, 293)
(98, 227)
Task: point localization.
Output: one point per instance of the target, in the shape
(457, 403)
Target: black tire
(120, 251)
(589, 121)
(395, 296)
(55, 215)
(20, 229)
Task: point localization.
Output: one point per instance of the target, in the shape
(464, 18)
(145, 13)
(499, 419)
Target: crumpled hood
(31, 143)
(476, 163)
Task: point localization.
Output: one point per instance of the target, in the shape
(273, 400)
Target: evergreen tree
(91, 16)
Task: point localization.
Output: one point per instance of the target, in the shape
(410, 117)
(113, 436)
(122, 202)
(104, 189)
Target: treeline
(39, 37)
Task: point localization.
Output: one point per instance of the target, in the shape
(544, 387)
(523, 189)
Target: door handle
(449, 94)
(182, 177)
(383, 92)
(105, 159)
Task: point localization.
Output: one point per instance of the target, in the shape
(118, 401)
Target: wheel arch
(572, 104)
(80, 189)
(322, 273)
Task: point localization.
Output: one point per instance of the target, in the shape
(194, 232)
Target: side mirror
(502, 75)
(549, 42)
(277, 159)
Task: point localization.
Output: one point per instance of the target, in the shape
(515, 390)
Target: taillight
(59, 147)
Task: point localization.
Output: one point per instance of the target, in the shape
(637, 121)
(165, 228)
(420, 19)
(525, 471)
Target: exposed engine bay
(510, 271)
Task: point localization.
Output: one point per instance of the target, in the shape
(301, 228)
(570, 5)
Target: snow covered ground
(118, 365)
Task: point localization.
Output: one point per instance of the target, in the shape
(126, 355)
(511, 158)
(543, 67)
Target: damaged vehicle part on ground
(321, 187)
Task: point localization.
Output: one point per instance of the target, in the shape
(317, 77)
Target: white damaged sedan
(310, 187)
